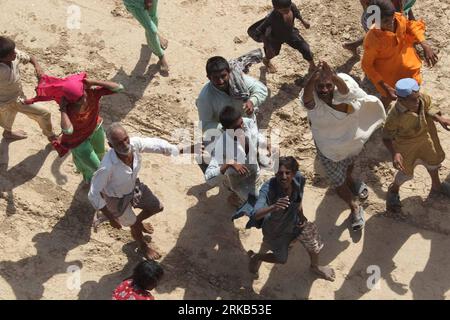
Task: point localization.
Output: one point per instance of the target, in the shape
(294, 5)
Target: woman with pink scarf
(82, 132)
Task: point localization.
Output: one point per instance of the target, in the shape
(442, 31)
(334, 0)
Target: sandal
(358, 222)
(393, 201)
(360, 189)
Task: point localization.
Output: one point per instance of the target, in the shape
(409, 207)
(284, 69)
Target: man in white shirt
(342, 118)
(12, 96)
(116, 190)
(235, 156)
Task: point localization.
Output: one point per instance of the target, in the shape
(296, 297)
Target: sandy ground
(45, 216)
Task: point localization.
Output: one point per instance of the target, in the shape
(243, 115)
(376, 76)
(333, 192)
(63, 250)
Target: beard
(327, 95)
(124, 151)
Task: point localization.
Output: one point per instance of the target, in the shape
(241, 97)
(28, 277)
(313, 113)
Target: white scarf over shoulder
(340, 135)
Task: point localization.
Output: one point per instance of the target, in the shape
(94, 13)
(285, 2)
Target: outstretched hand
(445, 123)
(282, 203)
(240, 168)
(430, 56)
(389, 90)
(197, 148)
(249, 107)
(398, 162)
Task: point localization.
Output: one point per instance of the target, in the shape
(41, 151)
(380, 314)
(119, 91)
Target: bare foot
(254, 264)
(164, 42)
(163, 66)
(15, 135)
(326, 272)
(149, 253)
(270, 67)
(147, 228)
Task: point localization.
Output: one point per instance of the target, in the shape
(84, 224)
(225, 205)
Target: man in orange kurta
(389, 53)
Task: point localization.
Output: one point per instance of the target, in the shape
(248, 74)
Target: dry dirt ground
(45, 216)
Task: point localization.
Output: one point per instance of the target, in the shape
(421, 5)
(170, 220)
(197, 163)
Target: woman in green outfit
(82, 127)
(145, 11)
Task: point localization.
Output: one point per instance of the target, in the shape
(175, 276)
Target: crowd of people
(342, 118)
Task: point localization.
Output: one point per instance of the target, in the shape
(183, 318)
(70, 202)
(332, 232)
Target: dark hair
(216, 64)
(228, 116)
(6, 47)
(387, 8)
(288, 162)
(147, 274)
(280, 4)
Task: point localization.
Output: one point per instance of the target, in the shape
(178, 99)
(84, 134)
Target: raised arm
(37, 67)
(109, 85)
(24, 58)
(307, 94)
(338, 81)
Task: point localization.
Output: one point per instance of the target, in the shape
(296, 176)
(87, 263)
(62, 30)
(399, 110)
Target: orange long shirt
(390, 56)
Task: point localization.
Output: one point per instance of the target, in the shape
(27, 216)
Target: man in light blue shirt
(217, 94)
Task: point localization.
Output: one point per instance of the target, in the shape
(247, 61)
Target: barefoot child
(411, 136)
(12, 96)
(279, 208)
(278, 28)
(146, 276)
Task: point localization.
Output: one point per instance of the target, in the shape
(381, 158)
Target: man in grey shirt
(279, 211)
